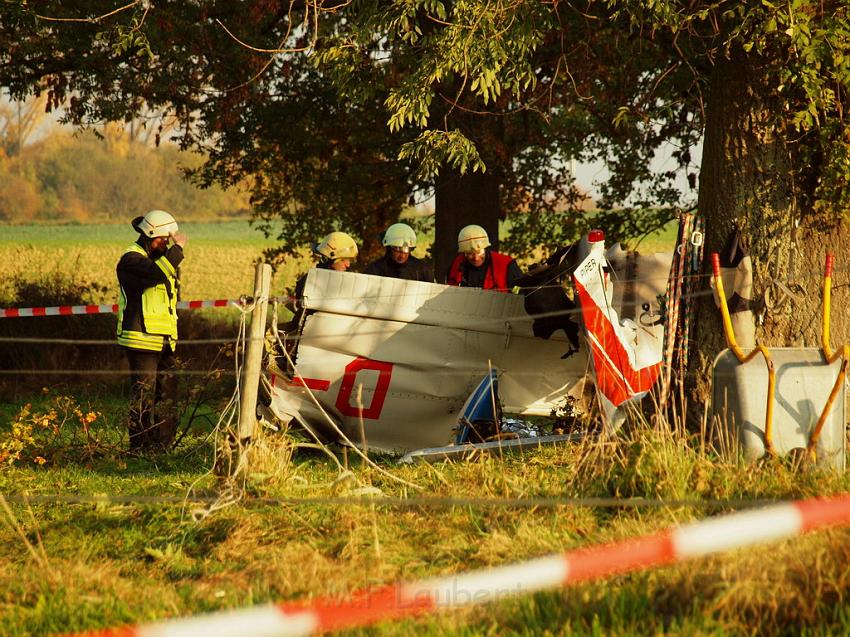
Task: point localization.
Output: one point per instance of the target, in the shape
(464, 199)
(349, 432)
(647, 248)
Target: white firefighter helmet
(399, 235)
(472, 238)
(337, 245)
(156, 223)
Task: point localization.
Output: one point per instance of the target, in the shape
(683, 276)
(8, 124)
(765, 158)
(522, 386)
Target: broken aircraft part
(388, 363)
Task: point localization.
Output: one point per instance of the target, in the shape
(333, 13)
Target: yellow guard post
(743, 358)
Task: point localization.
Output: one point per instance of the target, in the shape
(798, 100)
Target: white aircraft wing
(402, 357)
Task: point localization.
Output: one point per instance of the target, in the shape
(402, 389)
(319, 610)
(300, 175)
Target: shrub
(39, 436)
(55, 288)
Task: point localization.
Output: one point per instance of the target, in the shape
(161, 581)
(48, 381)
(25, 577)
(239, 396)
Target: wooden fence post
(250, 381)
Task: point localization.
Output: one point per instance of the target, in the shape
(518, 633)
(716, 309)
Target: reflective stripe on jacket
(158, 318)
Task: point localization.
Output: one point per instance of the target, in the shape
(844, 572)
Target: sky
(589, 175)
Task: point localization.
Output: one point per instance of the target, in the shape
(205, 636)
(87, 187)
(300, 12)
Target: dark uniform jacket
(297, 306)
(412, 270)
(137, 272)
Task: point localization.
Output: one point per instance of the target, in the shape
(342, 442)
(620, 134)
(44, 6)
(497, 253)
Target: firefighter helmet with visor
(472, 238)
(156, 223)
(337, 245)
(400, 235)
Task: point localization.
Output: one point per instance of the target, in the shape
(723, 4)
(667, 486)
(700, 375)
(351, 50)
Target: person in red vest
(477, 266)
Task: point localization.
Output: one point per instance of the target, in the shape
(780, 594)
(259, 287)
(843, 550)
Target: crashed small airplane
(389, 364)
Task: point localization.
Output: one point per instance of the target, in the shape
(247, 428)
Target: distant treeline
(67, 177)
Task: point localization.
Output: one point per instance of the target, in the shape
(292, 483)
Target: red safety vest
(496, 277)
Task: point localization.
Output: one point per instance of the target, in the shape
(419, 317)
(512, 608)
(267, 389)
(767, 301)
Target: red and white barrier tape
(714, 535)
(66, 310)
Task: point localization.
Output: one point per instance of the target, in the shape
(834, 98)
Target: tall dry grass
(262, 550)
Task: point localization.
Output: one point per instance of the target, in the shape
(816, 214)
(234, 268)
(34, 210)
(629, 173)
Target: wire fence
(245, 301)
(542, 502)
(412, 502)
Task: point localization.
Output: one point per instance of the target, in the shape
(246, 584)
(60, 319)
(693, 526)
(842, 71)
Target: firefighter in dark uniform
(147, 328)
(397, 262)
(335, 252)
(477, 266)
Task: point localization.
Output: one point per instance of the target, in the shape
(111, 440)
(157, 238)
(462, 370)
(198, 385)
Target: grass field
(165, 539)
(68, 566)
(219, 262)
(220, 257)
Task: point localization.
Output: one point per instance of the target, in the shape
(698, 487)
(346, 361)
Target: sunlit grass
(220, 258)
(71, 566)
(94, 558)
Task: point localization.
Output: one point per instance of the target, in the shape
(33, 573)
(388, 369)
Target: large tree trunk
(748, 178)
(371, 228)
(462, 200)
